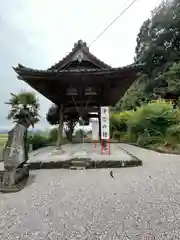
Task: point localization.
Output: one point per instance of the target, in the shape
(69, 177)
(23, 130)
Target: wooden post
(70, 130)
(99, 118)
(60, 128)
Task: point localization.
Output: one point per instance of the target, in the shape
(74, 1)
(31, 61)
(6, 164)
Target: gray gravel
(64, 204)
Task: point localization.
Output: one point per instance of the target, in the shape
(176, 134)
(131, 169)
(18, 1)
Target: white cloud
(38, 33)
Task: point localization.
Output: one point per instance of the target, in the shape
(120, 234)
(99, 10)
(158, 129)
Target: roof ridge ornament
(80, 56)
(80, 44)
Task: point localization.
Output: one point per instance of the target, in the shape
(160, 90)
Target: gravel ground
(64, 204)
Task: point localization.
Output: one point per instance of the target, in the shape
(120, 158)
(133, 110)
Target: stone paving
(64, 204)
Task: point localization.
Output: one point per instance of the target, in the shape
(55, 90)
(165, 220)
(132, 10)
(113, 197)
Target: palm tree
(23, 102)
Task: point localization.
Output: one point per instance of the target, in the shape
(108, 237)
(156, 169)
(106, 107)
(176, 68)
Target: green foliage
(154, 123)
(80, 133)
(173, 135)
(158, 49)
(24, 104)
(38, 141)
(53, 135)
(119, 121)
(174, 130)
(153, 118)
(135, 96)
(116, 135)
(53, 115)
(146, 140)
(125, 137)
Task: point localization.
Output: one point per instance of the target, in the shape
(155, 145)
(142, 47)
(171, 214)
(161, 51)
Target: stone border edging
(133, 156)
(91, 164)
(151, 148)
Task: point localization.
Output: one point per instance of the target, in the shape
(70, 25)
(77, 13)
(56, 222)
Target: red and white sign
(105, 133)
(105, 123)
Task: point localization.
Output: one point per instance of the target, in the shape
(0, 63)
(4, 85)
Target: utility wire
(112, 22)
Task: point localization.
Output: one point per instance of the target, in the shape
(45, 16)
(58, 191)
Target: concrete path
(63, 204)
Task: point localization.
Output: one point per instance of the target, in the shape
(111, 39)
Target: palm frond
(23, 101)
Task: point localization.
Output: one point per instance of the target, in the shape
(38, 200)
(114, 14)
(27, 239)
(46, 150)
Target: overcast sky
(38, 33)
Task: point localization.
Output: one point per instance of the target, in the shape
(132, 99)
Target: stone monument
(15, 155)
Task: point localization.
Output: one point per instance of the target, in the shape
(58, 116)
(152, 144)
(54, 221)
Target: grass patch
(3, 139)
(3, 135)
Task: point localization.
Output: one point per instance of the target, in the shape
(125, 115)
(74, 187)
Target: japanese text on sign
(104, 122)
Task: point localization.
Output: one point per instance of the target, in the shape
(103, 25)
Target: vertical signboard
(105, 134)
(95, 129)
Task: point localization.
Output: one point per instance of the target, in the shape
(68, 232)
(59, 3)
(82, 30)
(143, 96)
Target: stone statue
(15, 153)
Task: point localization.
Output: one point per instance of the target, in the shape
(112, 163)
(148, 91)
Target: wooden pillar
(99, 118)
(71, 130)
(60, 128)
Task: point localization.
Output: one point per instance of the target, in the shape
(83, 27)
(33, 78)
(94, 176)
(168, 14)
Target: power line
(113, 22)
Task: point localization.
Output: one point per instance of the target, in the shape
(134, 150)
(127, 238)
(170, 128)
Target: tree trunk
(26, 145)
(60, 128)
(70, 130)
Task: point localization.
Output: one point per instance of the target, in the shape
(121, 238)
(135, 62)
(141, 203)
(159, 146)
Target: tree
(68, 123)
(143, 40)
(158, 49)
(52, 115)
(23, 102)
(69, 127)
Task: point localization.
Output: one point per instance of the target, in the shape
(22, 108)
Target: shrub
(153, 119)
(156, 123)
(80, 133)
(53, 135)
(38, 141)
(173, 135)
(116, 135)
(124, 137)
(146, 140)
(112, 126)
(174, 130)
(119, 122)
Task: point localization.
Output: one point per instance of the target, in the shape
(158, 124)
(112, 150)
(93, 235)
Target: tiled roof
(21, 69)
(84, 48)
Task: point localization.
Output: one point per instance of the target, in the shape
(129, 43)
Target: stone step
(76, 168)
(79, 160)
(78, 163)
(80, 166)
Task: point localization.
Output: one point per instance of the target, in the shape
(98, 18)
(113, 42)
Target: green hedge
(53, 135)
(154, 123)
(38, 141)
